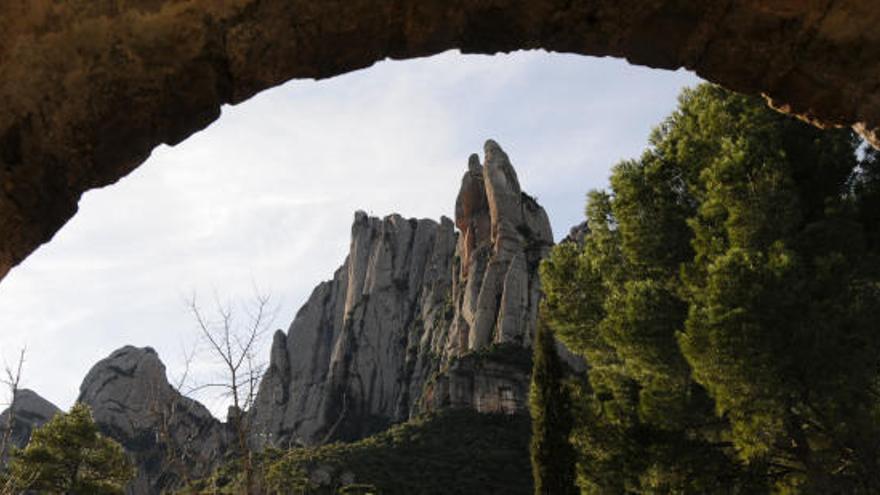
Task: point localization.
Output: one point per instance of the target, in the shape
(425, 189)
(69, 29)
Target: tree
(233, 345)
(68, 455)
(11, 381)
(724, 299)
(783, 300)
(553, 458)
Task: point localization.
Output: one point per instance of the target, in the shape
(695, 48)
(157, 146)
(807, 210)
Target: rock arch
(89, 87)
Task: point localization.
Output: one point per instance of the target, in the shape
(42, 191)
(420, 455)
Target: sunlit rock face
(413, 299)
(89, 88)
(29, 411)
(504, 234)
(356, 351)
(170, 438)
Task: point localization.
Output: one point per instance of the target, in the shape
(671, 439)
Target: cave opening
(266, 194)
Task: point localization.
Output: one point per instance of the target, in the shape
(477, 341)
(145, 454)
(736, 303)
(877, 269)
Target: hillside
(451, 452)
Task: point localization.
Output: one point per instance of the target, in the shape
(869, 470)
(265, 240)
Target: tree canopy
(68, 455)
(725, 300)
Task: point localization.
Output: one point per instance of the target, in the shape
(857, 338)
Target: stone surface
(360, 346)
(494, 381)
(413, 301)
(30, 412)
(89, 87)
(577, 233)
(171, 438)
(504, 234)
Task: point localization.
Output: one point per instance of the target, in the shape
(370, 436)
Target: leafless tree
(11, 380)
(233, 343)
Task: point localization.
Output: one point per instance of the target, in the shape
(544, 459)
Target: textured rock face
(504, 234)
(170, 437)
(30, 412)
(494, 380)
(412, 298)
(89, 87)
(357, 350)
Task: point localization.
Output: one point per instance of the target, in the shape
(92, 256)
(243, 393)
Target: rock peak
(503, 236)
(474, 165)
(491, 147)
(368, 347)
(132, 402)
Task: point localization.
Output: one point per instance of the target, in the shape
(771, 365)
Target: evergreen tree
(553, 458)
(67, 455)
(724, 299)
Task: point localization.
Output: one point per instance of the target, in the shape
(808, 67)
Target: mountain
(423, 316)
(419, 317)
(170, 438)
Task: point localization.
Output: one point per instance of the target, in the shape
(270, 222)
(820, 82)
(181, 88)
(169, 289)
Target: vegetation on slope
(452, 452)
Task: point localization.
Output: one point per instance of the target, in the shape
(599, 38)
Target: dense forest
(725, 298)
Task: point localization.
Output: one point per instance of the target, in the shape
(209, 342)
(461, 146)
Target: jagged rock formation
(352, 352)
(420, 317)
(171, 438)
(411, 302)
(504, 234)
(89, 88)
(30, 412)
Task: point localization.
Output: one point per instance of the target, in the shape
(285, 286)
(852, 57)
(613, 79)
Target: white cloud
(267, 193)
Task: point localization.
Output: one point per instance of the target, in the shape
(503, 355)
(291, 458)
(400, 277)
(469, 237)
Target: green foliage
(453, 452)
(553, 458)
(68, 456)
(725, 299)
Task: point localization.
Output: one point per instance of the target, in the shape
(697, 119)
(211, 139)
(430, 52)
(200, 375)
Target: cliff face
(393, 332)
(171, 438)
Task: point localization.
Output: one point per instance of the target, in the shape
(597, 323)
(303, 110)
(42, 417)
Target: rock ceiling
(89, 87)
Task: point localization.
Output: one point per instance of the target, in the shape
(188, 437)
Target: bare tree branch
(12, 381)
(233, 344)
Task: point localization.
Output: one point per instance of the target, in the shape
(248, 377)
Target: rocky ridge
(386, 338)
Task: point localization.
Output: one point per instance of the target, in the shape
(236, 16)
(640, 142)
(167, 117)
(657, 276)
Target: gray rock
(357, 352)
(495, 380)
(389, 336)
(171, 438)
(30, 412)
(496, 290)
(577, 233)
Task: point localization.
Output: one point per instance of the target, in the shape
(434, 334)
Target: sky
(265, 196)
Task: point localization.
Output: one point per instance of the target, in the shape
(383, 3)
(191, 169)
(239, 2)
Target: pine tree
(725, 299)
(68, 455)
(553, 458)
